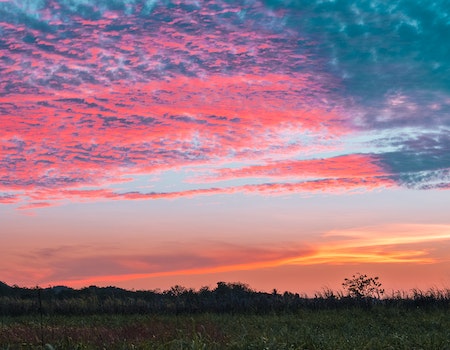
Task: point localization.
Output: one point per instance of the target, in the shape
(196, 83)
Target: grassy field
(353, 328)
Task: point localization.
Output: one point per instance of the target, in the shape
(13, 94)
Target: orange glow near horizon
(380, 246)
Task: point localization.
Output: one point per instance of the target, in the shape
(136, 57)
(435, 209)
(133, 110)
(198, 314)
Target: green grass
(378, 328)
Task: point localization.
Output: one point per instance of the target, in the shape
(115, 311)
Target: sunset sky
(281, 143)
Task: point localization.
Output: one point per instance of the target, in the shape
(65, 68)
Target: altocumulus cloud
(93, 93)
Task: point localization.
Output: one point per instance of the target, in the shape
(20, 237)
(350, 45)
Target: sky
(285, 144)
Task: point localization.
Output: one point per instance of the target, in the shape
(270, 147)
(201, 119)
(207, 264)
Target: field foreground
(352, 328)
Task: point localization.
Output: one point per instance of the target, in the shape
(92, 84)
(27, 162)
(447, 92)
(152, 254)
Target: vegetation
(230, 316)
(353, 328)
(362, 286)
(234, 298)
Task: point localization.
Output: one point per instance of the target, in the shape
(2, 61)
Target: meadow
(231, 316)
(352, 328)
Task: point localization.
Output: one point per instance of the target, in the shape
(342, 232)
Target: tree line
(224, 298)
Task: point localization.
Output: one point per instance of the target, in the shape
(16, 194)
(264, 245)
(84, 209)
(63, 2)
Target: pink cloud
(328, 185)
(9, 199)
(35, 205)
(112, 100)
(90, 142)
(347, 166)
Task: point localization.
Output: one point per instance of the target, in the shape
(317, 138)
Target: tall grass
(353, 328)
(232, 316)
(231, 298)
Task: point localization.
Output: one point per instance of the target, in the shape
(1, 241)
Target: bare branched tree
(361, 286)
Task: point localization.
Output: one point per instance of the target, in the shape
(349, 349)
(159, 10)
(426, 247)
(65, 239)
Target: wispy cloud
(8, 198)
(384, 244)
(348, 166)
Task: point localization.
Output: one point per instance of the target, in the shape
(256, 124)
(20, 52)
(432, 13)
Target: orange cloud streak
(384, 248)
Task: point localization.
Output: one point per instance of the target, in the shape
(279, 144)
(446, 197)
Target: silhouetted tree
(361, 286)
